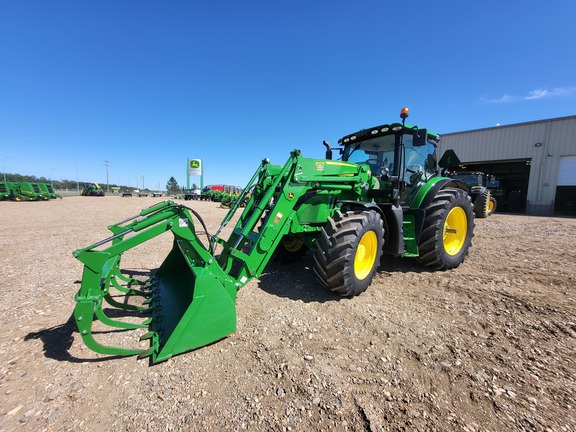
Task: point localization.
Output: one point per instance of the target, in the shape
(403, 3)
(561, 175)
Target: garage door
(567, 171)
(565, 200)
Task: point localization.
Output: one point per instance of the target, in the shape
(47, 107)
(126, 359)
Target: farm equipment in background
(27, 191)
(92, 189)
(192, 194)
(48, 189)
(140, 193)
(30, 191)
(384, 195)
(6, 191)
(9, 191)
(480, 186)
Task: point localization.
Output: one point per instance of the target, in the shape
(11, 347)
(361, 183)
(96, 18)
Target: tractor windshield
(377, 152)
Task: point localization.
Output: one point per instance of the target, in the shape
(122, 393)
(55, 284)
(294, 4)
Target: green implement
(385, 195)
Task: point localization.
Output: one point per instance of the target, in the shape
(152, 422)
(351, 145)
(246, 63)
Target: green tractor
(480, 186)
(92, 189)
(384, 195)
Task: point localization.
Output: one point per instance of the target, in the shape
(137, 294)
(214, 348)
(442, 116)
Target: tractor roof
(385, 129)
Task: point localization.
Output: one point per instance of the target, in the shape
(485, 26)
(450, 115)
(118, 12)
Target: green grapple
(347, 213)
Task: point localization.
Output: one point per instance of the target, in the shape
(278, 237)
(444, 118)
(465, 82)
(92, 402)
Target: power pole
(107, 182)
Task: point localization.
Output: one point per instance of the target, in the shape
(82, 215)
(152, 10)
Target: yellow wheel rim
(455, 230)
(365, 255)
(292, 245)
(490, 205)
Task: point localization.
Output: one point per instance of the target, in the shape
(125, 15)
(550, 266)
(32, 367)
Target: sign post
(194, 168)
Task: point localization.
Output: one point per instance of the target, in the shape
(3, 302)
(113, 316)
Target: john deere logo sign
(195, 167)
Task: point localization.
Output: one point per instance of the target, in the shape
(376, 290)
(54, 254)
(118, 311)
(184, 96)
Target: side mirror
(420, 138)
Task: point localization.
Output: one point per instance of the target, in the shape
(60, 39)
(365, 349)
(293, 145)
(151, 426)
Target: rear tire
(348, 252)
(448, 230)
(481, 204)
(492, 205)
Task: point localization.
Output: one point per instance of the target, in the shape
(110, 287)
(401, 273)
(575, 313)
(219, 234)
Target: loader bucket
(190, 308)
(189, 300)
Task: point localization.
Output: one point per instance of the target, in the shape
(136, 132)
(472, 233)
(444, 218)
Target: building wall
(520, 141)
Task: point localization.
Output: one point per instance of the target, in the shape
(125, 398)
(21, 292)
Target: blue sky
(147, 84)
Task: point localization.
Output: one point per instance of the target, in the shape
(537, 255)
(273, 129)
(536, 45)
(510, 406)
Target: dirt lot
(488, 346)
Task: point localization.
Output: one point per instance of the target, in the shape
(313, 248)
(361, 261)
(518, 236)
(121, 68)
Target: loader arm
(190, 298)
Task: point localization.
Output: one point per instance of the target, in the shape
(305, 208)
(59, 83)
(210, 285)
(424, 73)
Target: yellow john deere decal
(340, 164)
(278, 217)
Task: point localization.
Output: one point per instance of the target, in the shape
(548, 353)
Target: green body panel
(410, 240)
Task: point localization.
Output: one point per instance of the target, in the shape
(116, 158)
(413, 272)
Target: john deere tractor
(384, 194)
(92, 189)
(479, 185)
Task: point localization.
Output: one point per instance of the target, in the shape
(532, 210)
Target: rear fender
(427, 193)
(425, 197)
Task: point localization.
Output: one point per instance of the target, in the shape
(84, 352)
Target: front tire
(348, 251)
(448, 230)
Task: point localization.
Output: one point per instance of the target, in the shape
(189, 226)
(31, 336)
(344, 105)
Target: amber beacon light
(404, 113)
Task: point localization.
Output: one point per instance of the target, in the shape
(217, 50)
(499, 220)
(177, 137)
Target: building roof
(510, 125)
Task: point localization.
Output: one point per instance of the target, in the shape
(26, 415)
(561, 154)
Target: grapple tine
(148, 352)
(147, 336)
(84, 315)
(104, 319)
(127, 290)
(124, 306)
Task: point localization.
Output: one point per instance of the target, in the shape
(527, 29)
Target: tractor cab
(401, 157)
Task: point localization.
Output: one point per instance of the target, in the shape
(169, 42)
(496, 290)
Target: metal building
(534, 161)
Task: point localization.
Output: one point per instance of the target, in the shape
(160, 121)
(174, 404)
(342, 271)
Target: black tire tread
(431, 242)
(481, 204)
(335, 250)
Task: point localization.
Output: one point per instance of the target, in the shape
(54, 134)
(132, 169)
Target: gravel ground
(489, 346)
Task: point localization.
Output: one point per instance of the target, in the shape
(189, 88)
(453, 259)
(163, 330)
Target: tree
(172, 186)
(194, 186)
